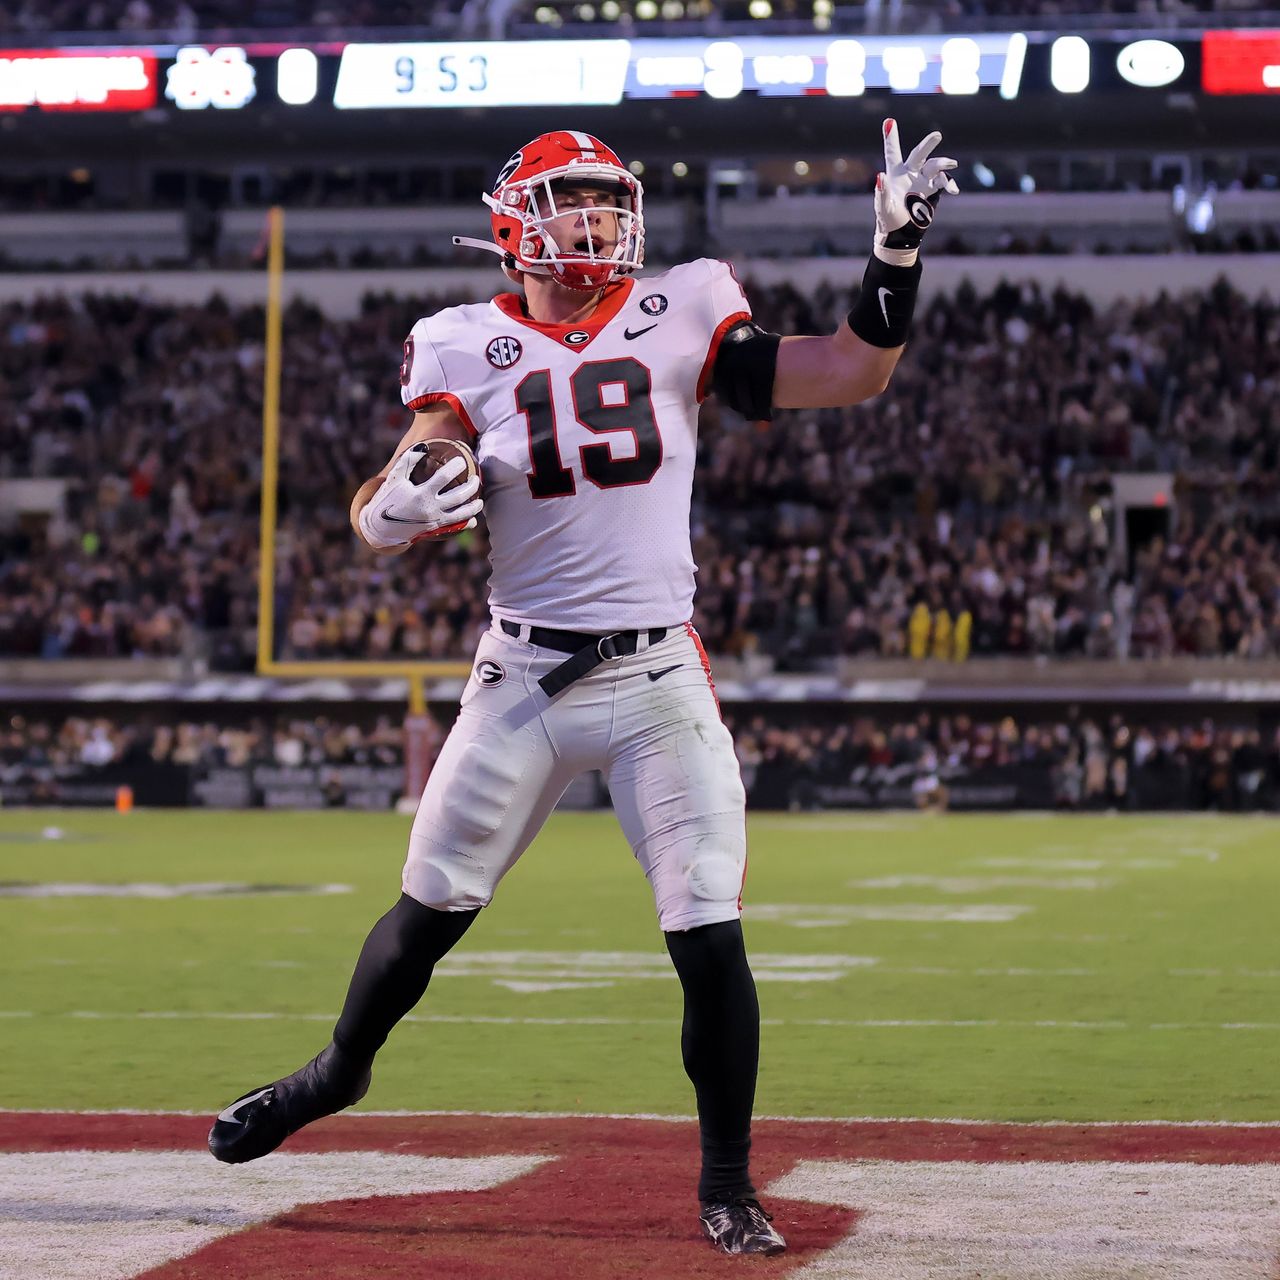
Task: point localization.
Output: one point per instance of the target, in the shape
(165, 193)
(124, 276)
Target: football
(435, 453)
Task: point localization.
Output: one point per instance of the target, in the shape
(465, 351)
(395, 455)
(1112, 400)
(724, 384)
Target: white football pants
(650, 722)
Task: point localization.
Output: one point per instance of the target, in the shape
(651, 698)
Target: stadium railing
(791, 226)
(339, 293)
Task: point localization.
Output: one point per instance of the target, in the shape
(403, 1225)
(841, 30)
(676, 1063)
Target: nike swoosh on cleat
(639, 333)
(884, 311)
(666, 671)
(229, 1115)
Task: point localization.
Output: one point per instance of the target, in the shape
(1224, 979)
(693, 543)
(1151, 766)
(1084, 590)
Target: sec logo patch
(503, 352)
(654, 305)
(490, 673)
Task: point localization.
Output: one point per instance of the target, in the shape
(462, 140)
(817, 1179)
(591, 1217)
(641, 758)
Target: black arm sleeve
(887, 301)
(744, 370)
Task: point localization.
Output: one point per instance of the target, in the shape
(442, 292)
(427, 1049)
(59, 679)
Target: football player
(580, 399)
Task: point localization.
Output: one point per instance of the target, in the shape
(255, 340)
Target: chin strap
(509, 262)
(487, 245)
(508, 258)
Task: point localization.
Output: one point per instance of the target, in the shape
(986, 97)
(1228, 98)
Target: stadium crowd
(185, 20)
(1089, 763)
(1082, 762)
(288, 739)
(966, 512)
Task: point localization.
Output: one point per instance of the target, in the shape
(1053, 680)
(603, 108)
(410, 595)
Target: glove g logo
(503, 352)
(490, 673)
(654, 305)
(919, 210)
(576, 338)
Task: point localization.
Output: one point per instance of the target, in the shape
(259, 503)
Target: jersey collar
(614, 299)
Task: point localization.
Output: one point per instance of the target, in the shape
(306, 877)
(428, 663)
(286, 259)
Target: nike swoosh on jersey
(665, 671)
(639, 333)
(884, 311)
(229, 1115)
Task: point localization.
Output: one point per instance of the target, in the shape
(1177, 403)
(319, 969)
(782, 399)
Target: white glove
(402, 512)
(907, 193)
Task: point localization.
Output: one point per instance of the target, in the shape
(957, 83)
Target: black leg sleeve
(393, 971)
(720, 1041)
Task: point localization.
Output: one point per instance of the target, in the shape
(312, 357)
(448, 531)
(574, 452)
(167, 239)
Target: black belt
(588, 651)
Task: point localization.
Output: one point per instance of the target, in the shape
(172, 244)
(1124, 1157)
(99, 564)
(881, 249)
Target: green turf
(1174, 918)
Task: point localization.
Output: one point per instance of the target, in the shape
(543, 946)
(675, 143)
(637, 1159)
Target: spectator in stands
(1083, 763)
(832, 535)
(182, 21)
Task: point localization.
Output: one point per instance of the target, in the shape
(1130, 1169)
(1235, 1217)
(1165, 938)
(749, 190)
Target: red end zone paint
(616, 1202)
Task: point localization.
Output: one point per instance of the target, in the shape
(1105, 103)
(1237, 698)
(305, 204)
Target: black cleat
(740, 1225)
(257, 1123)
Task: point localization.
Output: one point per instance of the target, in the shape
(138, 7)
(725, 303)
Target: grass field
(1006, 968)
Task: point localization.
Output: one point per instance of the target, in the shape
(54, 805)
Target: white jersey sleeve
(727, 305)
(423, 381)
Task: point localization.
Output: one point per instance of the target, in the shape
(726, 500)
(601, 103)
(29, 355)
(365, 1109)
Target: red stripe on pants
(706, 663)
(711, 684)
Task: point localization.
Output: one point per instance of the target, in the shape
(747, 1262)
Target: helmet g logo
(508, 169)
(503, 352)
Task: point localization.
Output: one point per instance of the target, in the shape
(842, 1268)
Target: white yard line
(1117, 863)
(840, 966)
(238, 1015)
(984, 884)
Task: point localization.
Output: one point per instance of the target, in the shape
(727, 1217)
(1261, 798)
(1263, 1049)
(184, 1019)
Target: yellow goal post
(417, 731)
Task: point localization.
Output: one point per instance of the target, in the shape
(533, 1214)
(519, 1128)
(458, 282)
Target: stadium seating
(182, 20)
(967, 512)
(1077, 762)
(929, 761)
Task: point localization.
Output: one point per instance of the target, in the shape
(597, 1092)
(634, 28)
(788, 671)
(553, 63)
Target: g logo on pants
(489, 672)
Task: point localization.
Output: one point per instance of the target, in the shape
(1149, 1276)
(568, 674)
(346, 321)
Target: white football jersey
(586, 437)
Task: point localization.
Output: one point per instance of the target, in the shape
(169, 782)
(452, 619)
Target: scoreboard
(1242, 61)
(604, 72)
(530, 73)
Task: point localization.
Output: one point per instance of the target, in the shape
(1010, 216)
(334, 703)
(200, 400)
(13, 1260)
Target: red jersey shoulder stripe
(444, 397)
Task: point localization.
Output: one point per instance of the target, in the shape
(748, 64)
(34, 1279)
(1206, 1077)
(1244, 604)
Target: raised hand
(907, 193)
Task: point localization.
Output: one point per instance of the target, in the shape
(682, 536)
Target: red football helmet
(524, 202)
